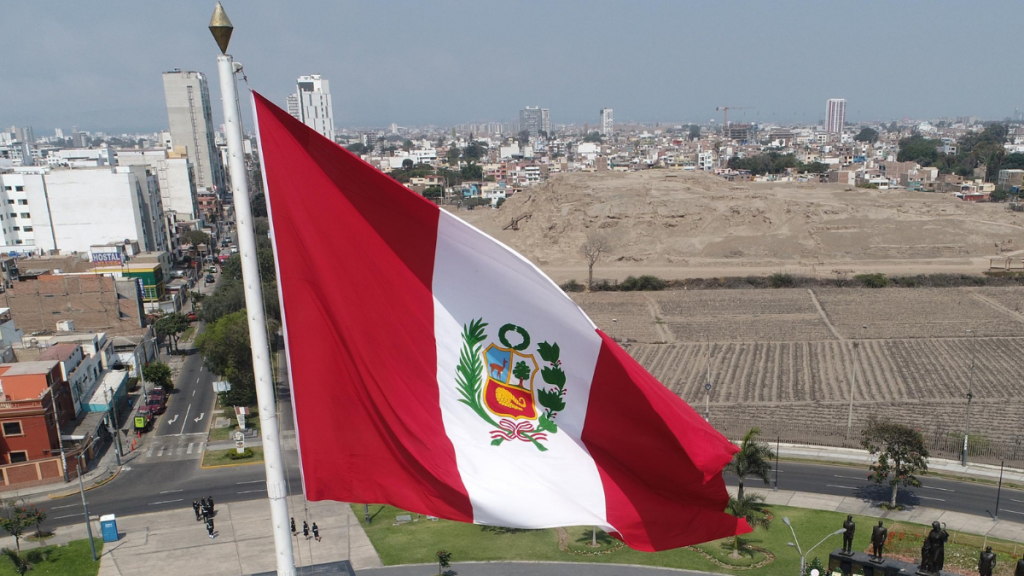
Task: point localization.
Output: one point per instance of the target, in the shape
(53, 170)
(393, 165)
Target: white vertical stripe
(514, 483)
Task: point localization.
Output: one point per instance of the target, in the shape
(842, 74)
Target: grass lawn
(418, 542)
(75, 559)
(221, 458)
(187, 334)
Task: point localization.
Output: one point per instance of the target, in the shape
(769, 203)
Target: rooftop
(58, 352)
(27, 368)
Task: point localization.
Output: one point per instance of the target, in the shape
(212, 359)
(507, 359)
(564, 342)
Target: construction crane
(725, 113)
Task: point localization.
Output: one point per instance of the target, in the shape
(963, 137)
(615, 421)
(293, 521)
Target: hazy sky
(97, 64)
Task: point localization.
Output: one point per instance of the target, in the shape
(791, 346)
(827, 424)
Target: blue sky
(97, 65)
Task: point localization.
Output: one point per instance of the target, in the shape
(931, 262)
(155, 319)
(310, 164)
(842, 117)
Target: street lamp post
(85, 507)
(707, 384)
(796, 543)
(970, 396)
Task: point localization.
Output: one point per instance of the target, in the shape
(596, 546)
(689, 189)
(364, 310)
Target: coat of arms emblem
(500, 383)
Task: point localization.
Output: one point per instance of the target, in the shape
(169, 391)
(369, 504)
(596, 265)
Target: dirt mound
(666, 219)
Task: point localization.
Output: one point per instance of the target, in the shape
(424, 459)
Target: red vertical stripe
(659, 461)
(355, 254)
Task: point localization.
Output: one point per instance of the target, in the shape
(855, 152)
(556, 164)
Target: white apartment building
(45, 209)
(191, 125)
(82, 157)
(176, 178)
(311, 104)
(606, 121)
(835, 115)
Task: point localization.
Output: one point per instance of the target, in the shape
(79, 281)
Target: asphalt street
(943, 494)
(190, 404)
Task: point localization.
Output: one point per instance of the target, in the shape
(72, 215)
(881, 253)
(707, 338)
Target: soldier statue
(848, 535)
(933, 552)
(1020, 568)
(879, 534)
(987, 562)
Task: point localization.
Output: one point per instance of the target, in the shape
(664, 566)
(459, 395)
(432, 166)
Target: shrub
(643, 283)
(246, 453)
(572, 286)
(604, 286)
(781, 280)
(873, 280)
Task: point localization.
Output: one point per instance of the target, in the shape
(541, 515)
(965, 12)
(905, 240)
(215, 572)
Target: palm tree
(751, 508)
(21, 563)
(753, 459)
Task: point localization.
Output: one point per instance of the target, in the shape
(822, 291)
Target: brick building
(36, 401)
(94, 303)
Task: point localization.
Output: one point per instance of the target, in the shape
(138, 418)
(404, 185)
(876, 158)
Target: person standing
(293, 526)
(305, 529)
(195, 508)
(987, 562)
(316, 532)
(209, 527)
(209, 501)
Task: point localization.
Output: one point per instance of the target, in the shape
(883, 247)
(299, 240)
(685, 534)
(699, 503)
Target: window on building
(16, 228)
(26, 214)
(8, 188)
(27, 229)
(19, 456)
(23, 202)
(18, 242)
(19, 188)
(13, 428)
(10, 200)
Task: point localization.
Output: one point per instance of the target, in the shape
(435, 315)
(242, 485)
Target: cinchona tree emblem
(498, 382)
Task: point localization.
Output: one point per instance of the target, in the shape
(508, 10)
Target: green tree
(474, 152)
(196, 237)
(433, 192)
(407, 145)
(15, 518)
(259, 205)
(593, 137)
(694, 132)
(919, 149)
(472, 172)
(901, 454)
(753, 459)
(407, 164)
(453, 155)
(521, 371)
(226, 351)
(524, 138)
(814, 168)
(158, 373)
(867, 135)
(171, 325)
(752, 509)
(21, 563)
(358, 148)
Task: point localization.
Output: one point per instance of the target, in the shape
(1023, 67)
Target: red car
(191, 316)
(158, 393)
(155, 406)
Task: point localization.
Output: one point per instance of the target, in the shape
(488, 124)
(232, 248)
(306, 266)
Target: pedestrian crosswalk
(185, 447)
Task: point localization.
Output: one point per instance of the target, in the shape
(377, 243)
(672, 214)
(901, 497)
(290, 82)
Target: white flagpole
(273, 460)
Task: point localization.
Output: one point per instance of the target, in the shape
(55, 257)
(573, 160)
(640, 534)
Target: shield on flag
(509, 389)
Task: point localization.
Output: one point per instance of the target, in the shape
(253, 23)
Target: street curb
(94, 486)
(205, 467)
(558, 562)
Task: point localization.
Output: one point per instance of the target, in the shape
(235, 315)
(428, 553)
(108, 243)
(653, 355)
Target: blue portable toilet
(108, 525)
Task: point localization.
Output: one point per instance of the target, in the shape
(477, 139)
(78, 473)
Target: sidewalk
(861, 457)
(172, 543)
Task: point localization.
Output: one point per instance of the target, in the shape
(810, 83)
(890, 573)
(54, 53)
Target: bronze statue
(879, 534)
(933, 552)
(1020, 568)
(848, 535)
(987, 562)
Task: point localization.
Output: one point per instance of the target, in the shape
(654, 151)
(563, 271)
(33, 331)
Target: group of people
(204, 511)
(306, 529)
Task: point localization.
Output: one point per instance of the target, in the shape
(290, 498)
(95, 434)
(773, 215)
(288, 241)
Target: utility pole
(60, 441)
(85, 507)
(970, 396)
(277, 488)
(999, 489)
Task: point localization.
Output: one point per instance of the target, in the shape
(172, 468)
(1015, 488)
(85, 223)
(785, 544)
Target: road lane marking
(1012, 500)
(838, 486)
(849, 477)
(201, 414)
(190, 444)
(162, 448)
(77, 515)
(1012, 511)
(65, 506)
(171, 421)
(937, 488)
(165, 502)
(183, 424)
(251, 491)
(250, 482)
(197, 380)
(170, 491)
(150, 453)
(927, 498)
(193, 392)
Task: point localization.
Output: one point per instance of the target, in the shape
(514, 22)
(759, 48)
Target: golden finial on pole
(221, 28)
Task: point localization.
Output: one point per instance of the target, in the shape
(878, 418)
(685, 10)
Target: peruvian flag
(437, 370)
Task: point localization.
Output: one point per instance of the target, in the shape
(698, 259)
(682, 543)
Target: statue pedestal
(857, 563)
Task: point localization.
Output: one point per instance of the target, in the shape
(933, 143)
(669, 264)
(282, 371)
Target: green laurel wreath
(552, 400)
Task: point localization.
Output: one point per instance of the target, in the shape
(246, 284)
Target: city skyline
(651, 67)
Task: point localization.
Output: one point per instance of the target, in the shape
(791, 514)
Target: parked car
(158, 393)
(191, 316)
(155, 406)
(211, 269)
(209, 279)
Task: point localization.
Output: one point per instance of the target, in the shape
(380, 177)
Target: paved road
(967, 497)
(191, 403)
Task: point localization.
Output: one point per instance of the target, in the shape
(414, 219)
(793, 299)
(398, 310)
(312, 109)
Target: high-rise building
(191, 124)
(836, 116)
(535, 120)
(59, 133)
(311, 104)
(606, 121)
